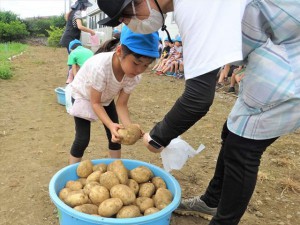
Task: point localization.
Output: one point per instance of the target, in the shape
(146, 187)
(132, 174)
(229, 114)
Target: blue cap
(167, 39)
(75, 41)
(143, 44)
(178, 39)
(115, 31)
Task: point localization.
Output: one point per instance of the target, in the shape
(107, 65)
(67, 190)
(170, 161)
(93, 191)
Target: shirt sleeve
(72, 59)
(77, 15)
(98, 78)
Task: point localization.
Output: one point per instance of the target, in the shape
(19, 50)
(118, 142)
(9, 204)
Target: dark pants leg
(235, 177)
(82, 137)
(112, 113)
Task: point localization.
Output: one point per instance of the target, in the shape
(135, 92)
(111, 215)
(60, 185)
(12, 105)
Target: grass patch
(8, 50)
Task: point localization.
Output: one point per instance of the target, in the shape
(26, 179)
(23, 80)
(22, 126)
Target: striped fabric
(268, 105)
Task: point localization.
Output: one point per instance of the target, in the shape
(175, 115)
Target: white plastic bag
(175, 155)
(68, 97)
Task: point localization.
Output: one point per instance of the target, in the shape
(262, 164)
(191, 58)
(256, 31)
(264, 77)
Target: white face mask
(153, 23)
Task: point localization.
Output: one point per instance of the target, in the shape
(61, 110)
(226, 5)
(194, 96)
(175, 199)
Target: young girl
(104, 77)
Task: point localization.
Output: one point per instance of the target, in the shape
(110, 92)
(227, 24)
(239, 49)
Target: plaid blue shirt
(268, 105)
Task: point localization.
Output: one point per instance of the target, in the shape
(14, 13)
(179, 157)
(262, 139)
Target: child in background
(164, 54)
(108, 76)
(78, 55)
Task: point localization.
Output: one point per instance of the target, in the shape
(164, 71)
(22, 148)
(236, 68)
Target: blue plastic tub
(60, 94)
(69, 216)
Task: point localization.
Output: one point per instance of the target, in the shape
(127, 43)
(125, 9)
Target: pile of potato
(113, 191)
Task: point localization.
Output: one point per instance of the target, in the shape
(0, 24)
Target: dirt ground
(36, 134)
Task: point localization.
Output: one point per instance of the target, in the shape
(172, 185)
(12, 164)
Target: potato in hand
(130, 134)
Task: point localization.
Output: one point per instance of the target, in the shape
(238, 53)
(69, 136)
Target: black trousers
(193, 104)
(83, 130)
(235, 177)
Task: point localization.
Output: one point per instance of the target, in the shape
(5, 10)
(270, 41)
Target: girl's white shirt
(97, 72)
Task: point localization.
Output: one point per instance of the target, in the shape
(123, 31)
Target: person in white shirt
(104, 77)
(264, 33)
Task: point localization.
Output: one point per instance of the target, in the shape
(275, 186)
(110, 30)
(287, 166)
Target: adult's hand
(150, 148)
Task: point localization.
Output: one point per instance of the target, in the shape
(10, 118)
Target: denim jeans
(235, 177)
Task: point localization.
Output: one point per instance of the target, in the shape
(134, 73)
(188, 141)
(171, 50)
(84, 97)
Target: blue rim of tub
(128, 221)
(60, 90)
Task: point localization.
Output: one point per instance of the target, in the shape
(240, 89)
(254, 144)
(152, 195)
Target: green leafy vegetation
(8, 50)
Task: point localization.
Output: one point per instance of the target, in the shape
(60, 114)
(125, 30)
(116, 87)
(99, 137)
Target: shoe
(195, 207)
(180, 76)
(169, 74)
(231, 90)
(174, 74)
(159, 73)
(219, 86)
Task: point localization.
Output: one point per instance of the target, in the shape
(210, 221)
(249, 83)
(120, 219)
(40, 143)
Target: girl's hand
(115, 137)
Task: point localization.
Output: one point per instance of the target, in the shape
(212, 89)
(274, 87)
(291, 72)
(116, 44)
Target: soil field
(36, 134)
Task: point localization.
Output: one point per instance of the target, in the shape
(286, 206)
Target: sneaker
(195, 207)
(180, 76)
(231, 90)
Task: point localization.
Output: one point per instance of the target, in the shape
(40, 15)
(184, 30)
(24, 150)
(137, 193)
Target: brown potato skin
(100, 167)
(129, 211)
(120, 170)
(87, 188)
(110, 207)
(87, 208)
(141, 174)
(94, 176)
(130, 134)
(162, 198)
(109, 179)
(151, 211)
(64, 193)
(144, 203)
(85, 168)
(74, 185)
(76, 198)
(159, 182)
(146, 190)
(133, 185)
(98, 194)
(124, 193)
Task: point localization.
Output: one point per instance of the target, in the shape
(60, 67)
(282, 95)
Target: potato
(144, 203)
(109, 179)
(98, 194)
(158, 182)
(85, 168)
(87, 188)
(146, 190)
(82, 181)
(74, 185)
(120, 170)
(133, 185)
(94, 176)
(129, 211)
(100, 167)
(64, 193)
(151, 211)
(76, 198)
(141, 174)
(130, 134)
(162, 198)
(87, 208)
(124, 193)
(110, 207)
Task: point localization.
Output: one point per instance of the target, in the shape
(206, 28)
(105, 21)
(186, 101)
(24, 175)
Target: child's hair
(75, 46)
(108, 46)
(111, 44)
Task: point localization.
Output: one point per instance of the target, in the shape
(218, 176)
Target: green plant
(5, 71)
(55, 34)
(8, 50)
